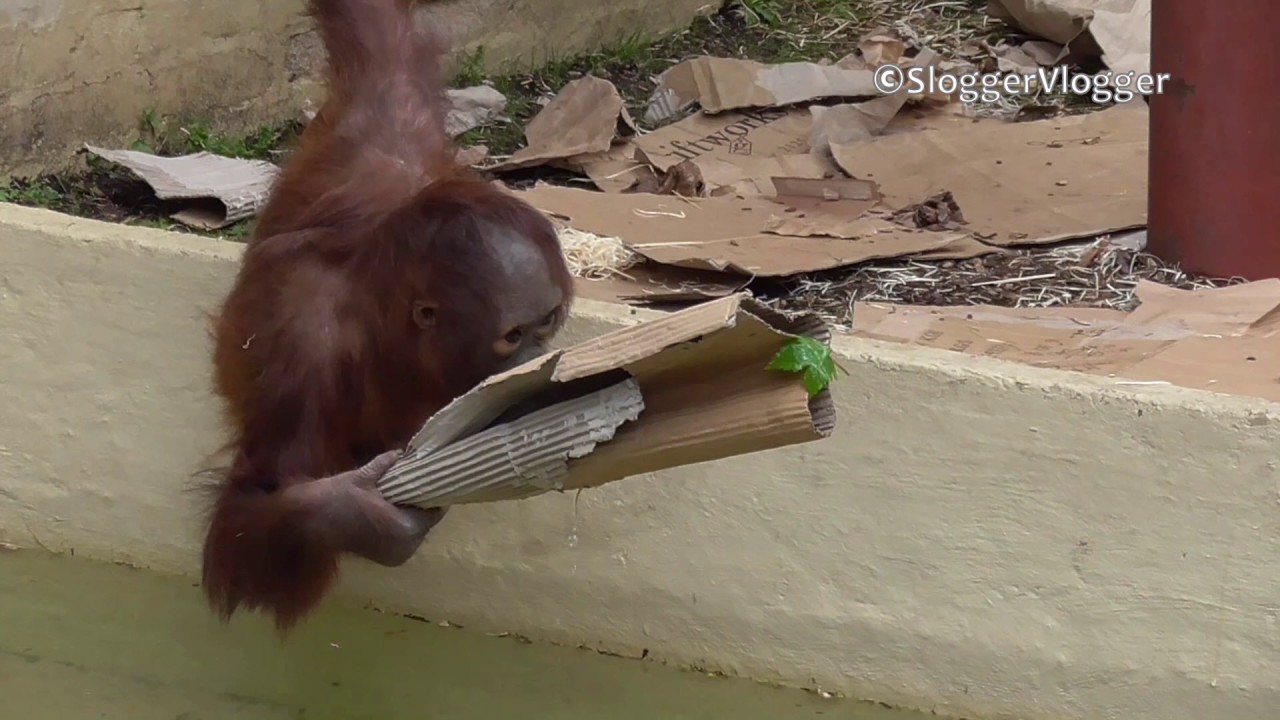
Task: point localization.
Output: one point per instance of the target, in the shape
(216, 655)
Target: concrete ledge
(981, 539)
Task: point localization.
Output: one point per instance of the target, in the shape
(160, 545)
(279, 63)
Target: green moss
(170, 136)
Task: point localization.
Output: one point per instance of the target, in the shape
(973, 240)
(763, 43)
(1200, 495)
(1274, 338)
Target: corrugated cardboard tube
(689, 387)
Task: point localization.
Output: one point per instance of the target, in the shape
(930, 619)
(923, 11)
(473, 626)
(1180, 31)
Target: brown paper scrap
(231, 189)
(720, 84)
(1020, 183)
(585, 117)
(728, 233)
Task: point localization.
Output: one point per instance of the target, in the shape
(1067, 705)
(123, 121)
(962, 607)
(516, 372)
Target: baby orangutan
(381, 282)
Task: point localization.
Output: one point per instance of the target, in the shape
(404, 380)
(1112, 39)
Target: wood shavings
(595, 257)
(1100, 274)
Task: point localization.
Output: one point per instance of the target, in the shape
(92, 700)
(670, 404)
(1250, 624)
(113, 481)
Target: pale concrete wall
(76, 72)
(979, 538)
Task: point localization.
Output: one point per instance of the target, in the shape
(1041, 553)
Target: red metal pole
(1215, 146)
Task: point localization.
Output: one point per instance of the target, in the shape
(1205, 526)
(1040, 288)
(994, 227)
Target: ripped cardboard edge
(222, 190)
(689, 387)
(534, 457)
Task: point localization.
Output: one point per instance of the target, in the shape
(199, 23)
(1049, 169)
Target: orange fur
(316, 356)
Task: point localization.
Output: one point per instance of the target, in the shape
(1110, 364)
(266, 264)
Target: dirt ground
(1096, 274)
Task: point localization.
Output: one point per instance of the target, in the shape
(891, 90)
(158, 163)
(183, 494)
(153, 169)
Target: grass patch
(167, 136)
(105, 191)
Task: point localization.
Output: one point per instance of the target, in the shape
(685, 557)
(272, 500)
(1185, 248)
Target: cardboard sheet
(852, 122)
(221, 190)
(718, 84)
(1119, 30)
(652, 284)
(750, 134)
(1215, 339)
(911, 119)
(768, 131)
(741, 234)
(755, 175)
(585, 117)
(689, 387)
(1020, 183)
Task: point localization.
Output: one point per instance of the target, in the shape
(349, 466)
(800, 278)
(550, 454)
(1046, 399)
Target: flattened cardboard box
(689, 387)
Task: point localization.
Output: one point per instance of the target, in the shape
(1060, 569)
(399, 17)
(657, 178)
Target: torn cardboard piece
(585, 117)
(1020, 183)
(1169, 313)
(689, 387)
(881, 46)
(1117, 30)
(618, 169)
(1122, 31)
(222, 190)
(1060, 21)
(854, 122)
(730, 233)
(472, 107)
(719, 84)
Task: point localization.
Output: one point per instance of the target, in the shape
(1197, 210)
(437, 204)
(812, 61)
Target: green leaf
(809, 358)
